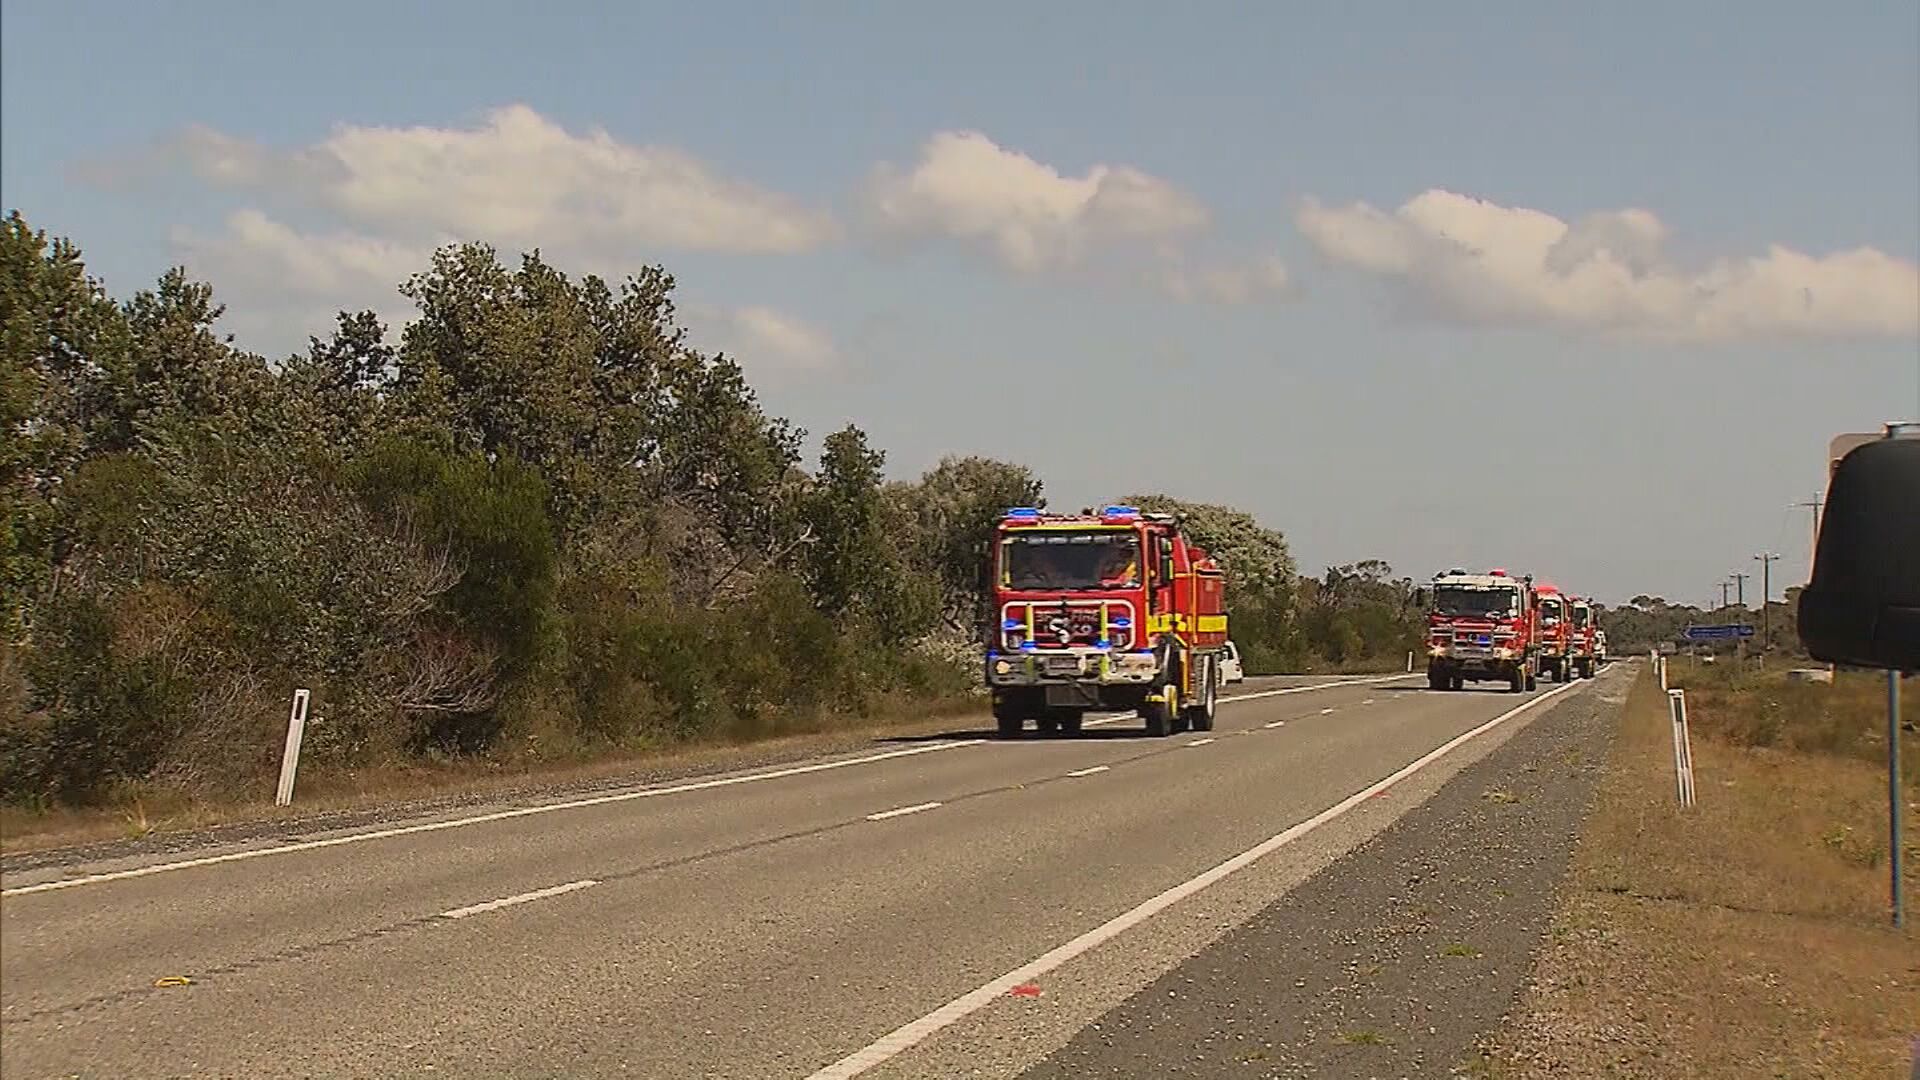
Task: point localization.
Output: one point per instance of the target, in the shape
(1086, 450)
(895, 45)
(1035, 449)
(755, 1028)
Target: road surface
(946, 906)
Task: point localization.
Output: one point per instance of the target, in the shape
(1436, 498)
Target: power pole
(1766, 560)
(1725, 598)
(1814, 546)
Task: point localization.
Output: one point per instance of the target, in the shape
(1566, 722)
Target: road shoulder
(1398, 956)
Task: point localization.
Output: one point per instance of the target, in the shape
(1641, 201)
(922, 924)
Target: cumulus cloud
(256, 250)
(769, 340)
(516, 179)
(968, 188)
(1477, 261)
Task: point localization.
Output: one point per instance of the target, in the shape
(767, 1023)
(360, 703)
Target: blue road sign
(1719, 633)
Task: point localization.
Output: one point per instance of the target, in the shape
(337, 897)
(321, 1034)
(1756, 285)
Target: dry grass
(140, 810)
(1747, 937)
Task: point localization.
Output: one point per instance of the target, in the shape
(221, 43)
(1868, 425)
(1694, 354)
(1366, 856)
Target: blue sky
(1632, 411)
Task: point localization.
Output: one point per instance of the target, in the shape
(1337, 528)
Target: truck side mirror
(1862, 605)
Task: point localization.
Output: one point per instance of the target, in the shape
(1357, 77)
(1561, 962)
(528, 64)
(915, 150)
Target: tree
(950, 514)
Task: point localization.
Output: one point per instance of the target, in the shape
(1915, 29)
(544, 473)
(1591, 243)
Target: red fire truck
(1556, 634)
(1112, 610)
(1481, 627)
(1586, 637)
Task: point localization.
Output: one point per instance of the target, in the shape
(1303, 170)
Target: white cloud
(255, 252)
(966, 187)
(282, 285)
(763, 340)
(1478, 261)
(519, 180)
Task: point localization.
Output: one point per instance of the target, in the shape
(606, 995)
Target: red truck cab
(1556, 633)
(1585, 652)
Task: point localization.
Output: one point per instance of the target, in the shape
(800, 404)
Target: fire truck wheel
(1436, 681)
(1200, 714)
(1457, 683)
(1070, 720)
(1048, 724)
(1533, 681)
(1160, 715)
(1516, 680)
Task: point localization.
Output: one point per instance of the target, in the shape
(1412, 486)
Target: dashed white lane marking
(1369, 701)
(575, 804)
(1316, 686)
(479, 819)
(1274, 724)
(1089, 771)
(903, 811)
(1326, 712)
(1200, 742)
(914, 1032)
(537, 894)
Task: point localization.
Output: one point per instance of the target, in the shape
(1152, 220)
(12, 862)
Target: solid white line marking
(1088, 771)
(913, 1032)
(479, 819)
(903, 811)
(1274, 724)
(537, 894)
(1200, 742)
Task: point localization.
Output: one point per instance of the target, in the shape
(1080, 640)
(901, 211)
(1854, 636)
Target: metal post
(1898, 896)
(290, 757)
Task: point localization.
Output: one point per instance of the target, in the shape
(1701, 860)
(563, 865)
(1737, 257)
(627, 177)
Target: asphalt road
(940, 906)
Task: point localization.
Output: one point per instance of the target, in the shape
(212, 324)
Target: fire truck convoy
(1494, 627)
(1111, 611)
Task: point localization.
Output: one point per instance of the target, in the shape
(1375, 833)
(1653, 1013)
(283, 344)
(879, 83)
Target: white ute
(1230, 669)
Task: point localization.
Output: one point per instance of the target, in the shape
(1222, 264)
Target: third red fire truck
(1585, 653)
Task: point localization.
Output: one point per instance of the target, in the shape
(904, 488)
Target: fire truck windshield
(1070, 561)
(1580, 617)
(1457, 601)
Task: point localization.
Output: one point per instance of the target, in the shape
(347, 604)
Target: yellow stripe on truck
(1213, 624)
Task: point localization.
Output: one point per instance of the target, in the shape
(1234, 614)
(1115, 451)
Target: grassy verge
(1749, 936)
(138, 810)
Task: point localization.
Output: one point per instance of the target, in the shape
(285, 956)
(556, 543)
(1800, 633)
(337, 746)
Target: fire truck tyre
(1435, 680)
(1200, 714)
(1160, 715)
(1009, 725)
(1457, 683)
(1516, 680)
(1533, 681)
(1070, 720)
(1048, 723)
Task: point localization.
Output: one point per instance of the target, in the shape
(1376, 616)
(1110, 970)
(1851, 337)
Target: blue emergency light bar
(1120, 511)
(1023, 512)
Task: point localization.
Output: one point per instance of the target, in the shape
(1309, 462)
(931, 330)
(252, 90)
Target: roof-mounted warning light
(1114, 515)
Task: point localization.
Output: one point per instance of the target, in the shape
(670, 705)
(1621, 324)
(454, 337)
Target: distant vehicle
(1556, 633)
(1599, 643)
(1230, 669)
(1480, 628)
(1109, 611)
(1584, 650)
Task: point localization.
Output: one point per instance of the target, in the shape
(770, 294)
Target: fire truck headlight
(1001, 667)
